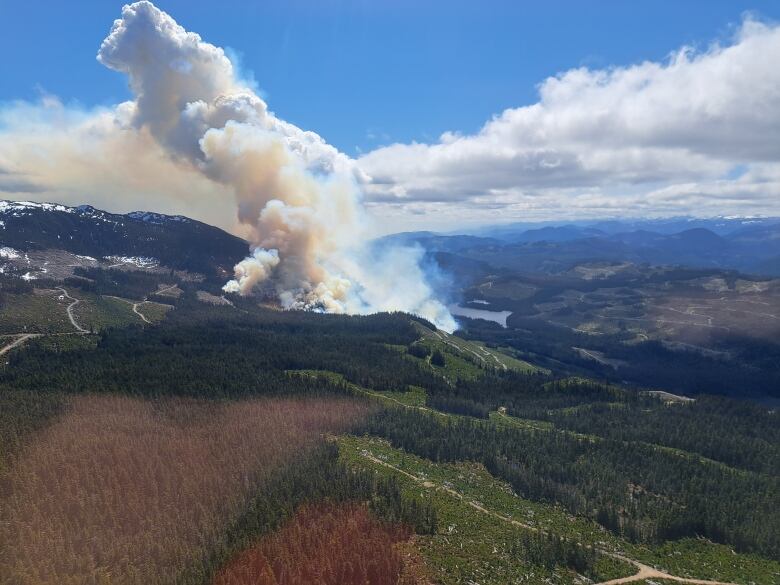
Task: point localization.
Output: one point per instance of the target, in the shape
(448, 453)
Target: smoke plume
(296, 195)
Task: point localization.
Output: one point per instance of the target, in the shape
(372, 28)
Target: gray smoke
(297, 196)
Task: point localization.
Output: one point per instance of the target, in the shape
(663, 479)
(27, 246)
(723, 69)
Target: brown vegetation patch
(324, 545)
(121, 490)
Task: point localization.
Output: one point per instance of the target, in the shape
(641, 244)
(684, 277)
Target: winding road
(22, 337)
(18, 341)
(165, 289)
(139, 313)
(69, 310)
(134, 305)
(643, 571)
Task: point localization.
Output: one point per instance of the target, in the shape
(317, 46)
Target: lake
(495, 316)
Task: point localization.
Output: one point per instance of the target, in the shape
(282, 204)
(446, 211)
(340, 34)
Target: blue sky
(439, 115)
(367, 73)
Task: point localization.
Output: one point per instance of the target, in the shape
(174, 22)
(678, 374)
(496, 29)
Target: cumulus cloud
(649, 139)
(609, 137)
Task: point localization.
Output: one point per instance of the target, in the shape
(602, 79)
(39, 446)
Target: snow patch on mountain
(157, 218)
(139, 261)
(9, 253)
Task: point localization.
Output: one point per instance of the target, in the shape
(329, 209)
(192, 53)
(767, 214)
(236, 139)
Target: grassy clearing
(41, 312)
(504, 356)
(477, 546)
(456, 365)
(412, 398)
(168, 290)
(56, 343)
(473, 546)
(154, 311)
(45, 312)
(702, 559)
(96, 312)
(693, 558)
(415, 396)
(469, 359)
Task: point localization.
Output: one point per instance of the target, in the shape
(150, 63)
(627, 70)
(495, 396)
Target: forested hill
(503, 470)
(174, 241)
(707, 468)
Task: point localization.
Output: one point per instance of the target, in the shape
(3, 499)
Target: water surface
(495, 316)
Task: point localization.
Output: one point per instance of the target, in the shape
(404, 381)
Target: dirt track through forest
(643, 571)
(443, 337)
(69, 310)
(19, 341)
(136, 304)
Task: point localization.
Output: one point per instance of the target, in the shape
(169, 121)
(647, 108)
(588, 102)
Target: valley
(617, 324)
(489, 455)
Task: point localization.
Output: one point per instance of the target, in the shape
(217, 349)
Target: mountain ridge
(175, 241)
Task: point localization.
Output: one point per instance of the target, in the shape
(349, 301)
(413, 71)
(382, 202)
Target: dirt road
(443, 337)
(19, 341)
(139, 313)
(69, 310)
(135, 307)
(647, 572)
(643, 571)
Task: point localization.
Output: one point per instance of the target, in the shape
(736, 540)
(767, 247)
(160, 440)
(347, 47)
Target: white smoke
(253, 270)
(296, 194)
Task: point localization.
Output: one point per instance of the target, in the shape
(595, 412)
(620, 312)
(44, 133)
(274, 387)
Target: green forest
(634, 474)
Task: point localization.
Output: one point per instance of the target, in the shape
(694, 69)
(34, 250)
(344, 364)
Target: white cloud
(646, 139)
(650, 138)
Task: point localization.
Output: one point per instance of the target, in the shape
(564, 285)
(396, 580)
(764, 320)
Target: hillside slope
(173, 241)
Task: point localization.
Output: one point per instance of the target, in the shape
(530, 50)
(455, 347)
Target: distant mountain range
(665, 226)
(748, 245)
(173, 241)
